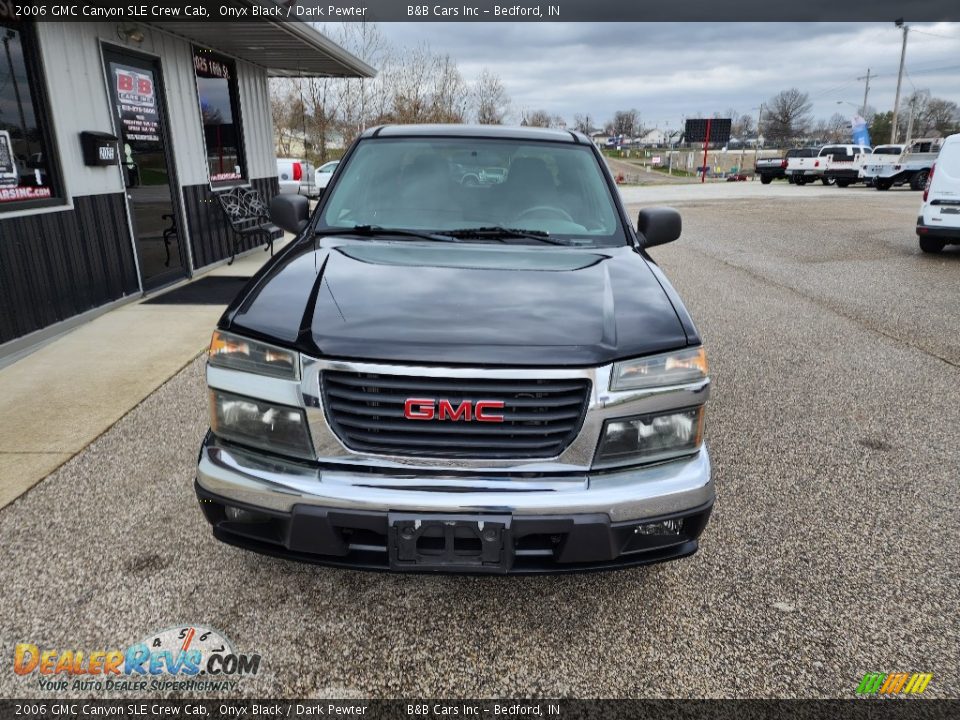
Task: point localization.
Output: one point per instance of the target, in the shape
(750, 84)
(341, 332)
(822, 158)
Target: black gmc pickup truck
(462, 377)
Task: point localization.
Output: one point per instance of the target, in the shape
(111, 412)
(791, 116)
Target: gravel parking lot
(835, 353)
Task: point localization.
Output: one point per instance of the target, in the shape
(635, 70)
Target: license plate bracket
(464, 543)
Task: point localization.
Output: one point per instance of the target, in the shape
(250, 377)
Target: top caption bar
(483, 11)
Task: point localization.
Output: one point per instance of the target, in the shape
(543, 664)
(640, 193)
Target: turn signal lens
(238, 353)
(677, 368)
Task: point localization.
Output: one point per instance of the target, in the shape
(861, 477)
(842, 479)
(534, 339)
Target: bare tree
(412, 85)
(490, 99)
(323, 112)
(786, 117)
(931, 115)
(583, 123)
(626, 123)
(942, 117)
(538, 118)
(288, 115)
(838, 128)
(425, 88)
(741, 125)
(363, 101)
(449, 94)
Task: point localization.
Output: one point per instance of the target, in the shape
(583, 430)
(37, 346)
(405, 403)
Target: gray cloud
(674, 70)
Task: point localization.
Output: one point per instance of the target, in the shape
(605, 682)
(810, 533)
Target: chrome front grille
(541, 417)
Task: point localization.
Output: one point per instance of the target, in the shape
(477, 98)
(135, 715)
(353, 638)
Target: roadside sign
(697, 129)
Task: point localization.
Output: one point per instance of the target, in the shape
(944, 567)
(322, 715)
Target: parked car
(805, 166)
(844, 163)
(473, 175)
(913, 167)
(297, 177)
(324, 173)
(436, 376)
(769, 169)
(878, 160)
(939, 221)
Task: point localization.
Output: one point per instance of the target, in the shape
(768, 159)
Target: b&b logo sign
(135, 88)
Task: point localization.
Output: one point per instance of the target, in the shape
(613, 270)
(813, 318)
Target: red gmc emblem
(430, 409)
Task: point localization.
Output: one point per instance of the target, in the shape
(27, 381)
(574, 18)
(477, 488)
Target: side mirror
(659, 225)
(290, 212)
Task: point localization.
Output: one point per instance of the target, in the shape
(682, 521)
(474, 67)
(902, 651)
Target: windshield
(439, 185)
(888, 150)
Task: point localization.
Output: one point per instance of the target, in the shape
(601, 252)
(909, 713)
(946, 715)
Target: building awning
(290, 48)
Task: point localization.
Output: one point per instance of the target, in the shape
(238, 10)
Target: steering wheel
(545, 209)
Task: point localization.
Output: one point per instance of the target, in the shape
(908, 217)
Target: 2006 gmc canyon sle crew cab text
(448, 376)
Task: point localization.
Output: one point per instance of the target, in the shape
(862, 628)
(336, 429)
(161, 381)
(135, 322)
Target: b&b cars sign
(136, 97)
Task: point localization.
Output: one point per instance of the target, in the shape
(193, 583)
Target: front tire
(882, 184)
(918, 181)
(766, 179)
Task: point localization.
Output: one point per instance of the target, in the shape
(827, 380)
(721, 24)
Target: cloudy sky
(674, 70)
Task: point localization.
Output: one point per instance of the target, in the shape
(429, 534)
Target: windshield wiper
(498, 232)
(377, 230)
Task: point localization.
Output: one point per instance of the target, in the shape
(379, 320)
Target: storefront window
(26, 173)
(217, 86)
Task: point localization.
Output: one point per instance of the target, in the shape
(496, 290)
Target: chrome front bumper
(262, 481)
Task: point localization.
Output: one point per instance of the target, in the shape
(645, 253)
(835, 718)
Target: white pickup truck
(832, 164)
(843, 163)
(882, 157)
(805, 166)
(913, 165)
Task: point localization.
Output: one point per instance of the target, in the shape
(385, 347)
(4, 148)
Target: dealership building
(113, 139)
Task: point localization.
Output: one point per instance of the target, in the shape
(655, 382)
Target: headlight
(650, 438)
(276, 428)
(239, 353)
(675, 368)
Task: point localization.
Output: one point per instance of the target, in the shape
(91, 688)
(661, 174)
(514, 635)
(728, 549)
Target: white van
(297, 176)
(939, 221)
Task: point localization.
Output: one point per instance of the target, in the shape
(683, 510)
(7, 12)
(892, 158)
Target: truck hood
(412, 302)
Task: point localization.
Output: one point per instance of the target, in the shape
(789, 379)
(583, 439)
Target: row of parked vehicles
(930, 164)
(881, 167)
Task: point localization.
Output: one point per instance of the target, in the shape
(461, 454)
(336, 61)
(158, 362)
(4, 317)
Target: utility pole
(756, 145)
(913, 107)
(896, 103)
(866, 92)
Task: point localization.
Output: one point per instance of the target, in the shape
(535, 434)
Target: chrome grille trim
(540, 417)
(576, 458)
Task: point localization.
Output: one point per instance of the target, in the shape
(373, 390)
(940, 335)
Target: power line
(936, 35)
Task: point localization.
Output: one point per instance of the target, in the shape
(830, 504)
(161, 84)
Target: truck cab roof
(478, 131)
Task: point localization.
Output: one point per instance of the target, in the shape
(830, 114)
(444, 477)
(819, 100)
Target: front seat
(529, 184)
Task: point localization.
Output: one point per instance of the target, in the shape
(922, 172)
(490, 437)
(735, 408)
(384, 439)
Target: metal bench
(247, 213)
